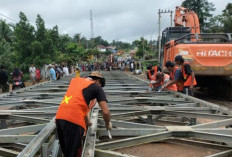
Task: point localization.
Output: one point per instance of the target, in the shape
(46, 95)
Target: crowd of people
(54, 72)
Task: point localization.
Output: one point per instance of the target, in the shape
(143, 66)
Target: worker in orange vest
(151, 72)
(175, 76)
(160, 80)
(188, 75)
(71, 117)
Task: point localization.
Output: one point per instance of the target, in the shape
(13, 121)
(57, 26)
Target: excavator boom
(187, 18)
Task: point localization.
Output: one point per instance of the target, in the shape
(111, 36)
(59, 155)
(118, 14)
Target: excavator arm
(187, 18)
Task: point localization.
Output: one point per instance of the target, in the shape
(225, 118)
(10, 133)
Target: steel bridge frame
(28, 126)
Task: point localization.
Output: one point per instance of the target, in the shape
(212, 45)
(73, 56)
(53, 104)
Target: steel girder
(138, 118)
(27, 119)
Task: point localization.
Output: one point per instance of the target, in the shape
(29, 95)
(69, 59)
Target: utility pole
(171, 17)
(91, 24)
(143, 49)
(159, 38)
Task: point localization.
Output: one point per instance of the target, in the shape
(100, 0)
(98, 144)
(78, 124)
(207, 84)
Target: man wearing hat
(71, 117)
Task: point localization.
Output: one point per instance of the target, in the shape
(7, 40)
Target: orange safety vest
(187, 78)
(155, 71)
(151, 77)
(73, 107)
(172, 87)
(180, 83)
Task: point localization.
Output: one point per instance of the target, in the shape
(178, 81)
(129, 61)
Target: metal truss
(28, 128)
(139, 118)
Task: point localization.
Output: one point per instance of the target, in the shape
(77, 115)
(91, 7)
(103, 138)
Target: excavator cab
(172, 33)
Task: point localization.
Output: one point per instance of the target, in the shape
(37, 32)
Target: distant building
(101, 48)
(112, 49)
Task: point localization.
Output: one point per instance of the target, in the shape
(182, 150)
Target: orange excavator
(210, 55)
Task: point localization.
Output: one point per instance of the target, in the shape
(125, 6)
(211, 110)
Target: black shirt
(187, 69)
(3, 77)
(94, 91)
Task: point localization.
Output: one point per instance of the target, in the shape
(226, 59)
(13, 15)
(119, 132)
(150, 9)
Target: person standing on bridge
(188, 75)
(71, 117)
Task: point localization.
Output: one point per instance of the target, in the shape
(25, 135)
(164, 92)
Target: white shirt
(65, 70)
(32, 71)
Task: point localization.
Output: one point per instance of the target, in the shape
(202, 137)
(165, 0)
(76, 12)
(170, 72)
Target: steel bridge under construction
(140, 121)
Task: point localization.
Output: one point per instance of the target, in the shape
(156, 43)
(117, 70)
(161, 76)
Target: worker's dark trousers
(70, 137)
(188, 91)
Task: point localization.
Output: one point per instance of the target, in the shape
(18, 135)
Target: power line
(8, 18)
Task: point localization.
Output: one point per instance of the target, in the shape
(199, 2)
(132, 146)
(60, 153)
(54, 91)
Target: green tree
(24, 33)
(216, 25)
(54, 36)
(41, 30)
(64, 41)
(203, 9)
(222, 23)
(6, 34)
(227, 18)
(142, 46)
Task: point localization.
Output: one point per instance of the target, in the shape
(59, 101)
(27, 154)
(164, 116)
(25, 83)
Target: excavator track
(144, 124)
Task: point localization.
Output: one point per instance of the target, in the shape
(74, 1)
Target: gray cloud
(125, 20)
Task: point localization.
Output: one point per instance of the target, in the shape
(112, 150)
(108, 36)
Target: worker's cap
(95, 74)
(98, 75)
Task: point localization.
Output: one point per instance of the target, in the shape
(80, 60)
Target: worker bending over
(160, 80)
(175, 76)
(72, 113)
(151, 72)
(188, 75)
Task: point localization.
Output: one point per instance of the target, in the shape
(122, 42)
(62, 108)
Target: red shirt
(37, 73)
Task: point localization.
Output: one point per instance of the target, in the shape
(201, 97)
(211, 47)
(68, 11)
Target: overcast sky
(125, 20)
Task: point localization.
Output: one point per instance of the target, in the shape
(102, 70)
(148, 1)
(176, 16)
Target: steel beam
(128, 132)
(134, 141)
(226, 153)
(107, 153)
(8, 153)
(16, 138)
(21, 130)
(89, 146)
(212, 136)
(28, 119)
(215, 124)
(125, 124)
(199, 115)
(37, 142)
